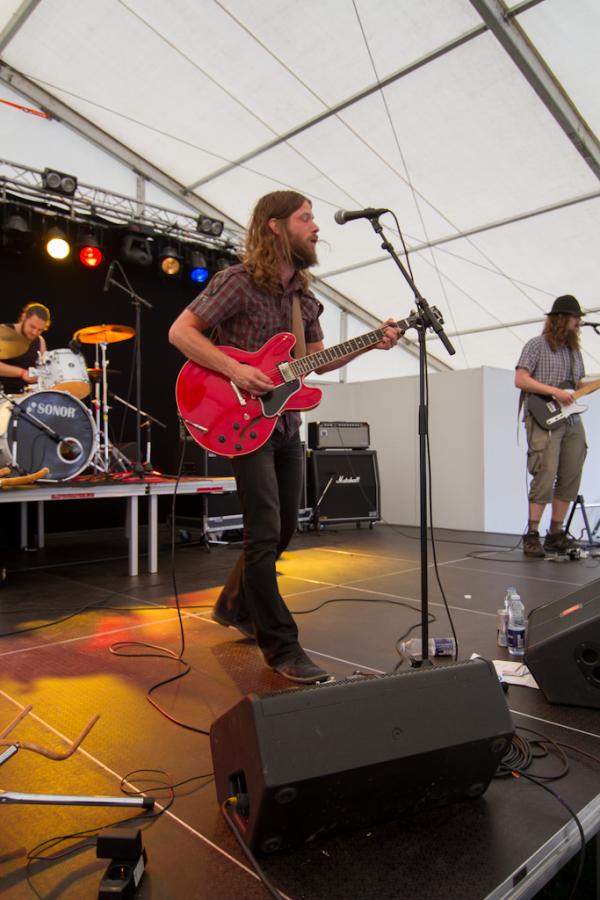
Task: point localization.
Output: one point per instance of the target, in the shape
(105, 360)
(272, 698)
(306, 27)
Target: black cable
(225, 806)
(118, 649)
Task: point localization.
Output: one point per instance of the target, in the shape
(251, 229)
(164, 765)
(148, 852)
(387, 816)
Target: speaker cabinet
(562, 648)
(343, 485)
(312, 761)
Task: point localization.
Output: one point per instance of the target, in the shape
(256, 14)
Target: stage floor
(354, 591)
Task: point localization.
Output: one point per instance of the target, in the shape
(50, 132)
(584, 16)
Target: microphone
(108, 278)
(348, 215)
(591, 324)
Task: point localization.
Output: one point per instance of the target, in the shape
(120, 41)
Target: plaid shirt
(244, 315)
(551, 366)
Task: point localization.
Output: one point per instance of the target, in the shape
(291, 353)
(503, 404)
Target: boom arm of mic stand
(429, 319)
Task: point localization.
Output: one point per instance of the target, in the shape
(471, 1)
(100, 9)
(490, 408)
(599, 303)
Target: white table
(131, 490)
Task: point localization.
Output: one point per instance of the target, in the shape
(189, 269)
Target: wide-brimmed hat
(567, 305)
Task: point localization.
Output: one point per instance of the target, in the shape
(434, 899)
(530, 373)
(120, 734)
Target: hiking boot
(532, 545)
(559, 542)
(300, 668)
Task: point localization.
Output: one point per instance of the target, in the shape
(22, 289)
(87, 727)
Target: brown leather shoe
(532, 546)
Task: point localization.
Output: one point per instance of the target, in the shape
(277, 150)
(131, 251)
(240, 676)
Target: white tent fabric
(413, 106)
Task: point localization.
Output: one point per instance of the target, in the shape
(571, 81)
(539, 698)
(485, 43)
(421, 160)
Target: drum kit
(49, 426)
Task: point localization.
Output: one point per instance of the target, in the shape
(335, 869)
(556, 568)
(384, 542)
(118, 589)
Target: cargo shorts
(555, 460)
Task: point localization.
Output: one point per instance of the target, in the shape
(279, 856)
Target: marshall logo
(348, 479)
(51, 409)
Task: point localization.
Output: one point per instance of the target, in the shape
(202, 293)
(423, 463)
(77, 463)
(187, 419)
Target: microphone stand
(427, 318)
(137, 301)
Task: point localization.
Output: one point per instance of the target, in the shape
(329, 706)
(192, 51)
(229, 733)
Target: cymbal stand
(148, 419)
(106, 451)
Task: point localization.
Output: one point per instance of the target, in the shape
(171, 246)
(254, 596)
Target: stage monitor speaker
(562, 648)
(346, 482)
(309, 762)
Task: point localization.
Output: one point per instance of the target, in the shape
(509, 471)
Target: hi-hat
(104, 334)
(12, 342)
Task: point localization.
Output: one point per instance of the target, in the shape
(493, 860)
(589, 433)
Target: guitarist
(549, 363)
(246, 305)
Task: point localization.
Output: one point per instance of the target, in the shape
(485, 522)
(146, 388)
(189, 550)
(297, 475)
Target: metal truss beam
(106, 142)
(523, 53)
(16, 21)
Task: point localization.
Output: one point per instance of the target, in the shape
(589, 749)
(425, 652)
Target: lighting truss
(89, 201)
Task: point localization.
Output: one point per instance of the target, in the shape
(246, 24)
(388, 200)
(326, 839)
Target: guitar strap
(298, 329)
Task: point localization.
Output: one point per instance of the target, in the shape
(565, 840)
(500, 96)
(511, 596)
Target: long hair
(556, 333)
(264, 251)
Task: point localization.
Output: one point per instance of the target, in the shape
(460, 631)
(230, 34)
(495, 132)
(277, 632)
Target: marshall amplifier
(338, 435)
(343, 486)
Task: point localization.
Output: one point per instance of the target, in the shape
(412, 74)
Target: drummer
(14, 373)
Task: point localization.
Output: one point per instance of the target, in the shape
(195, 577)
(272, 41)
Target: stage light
(209, 226)
(90, 253)
(57, 245)
(59, 182)
(137, 249)
(170, 261)
(17, 233)
(198, 267)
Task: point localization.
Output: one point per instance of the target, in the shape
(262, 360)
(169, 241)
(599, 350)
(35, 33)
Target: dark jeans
(269, 482)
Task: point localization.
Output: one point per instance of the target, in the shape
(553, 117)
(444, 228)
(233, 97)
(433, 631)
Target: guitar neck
(587, 388)
(306, 364)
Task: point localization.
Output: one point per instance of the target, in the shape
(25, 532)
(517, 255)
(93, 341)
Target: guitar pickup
(285, 371)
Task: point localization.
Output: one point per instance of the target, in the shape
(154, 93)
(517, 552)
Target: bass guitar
(231, 422)
(550, 413)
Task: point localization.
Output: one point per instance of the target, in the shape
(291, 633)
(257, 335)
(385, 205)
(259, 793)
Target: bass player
(244, 306)
(550, 364)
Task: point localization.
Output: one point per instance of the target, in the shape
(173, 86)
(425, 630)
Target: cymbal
(104, 334)
(96, 372)
(12, 343)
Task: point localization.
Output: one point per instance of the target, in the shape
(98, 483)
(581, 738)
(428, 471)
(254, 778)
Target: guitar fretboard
(306, 364)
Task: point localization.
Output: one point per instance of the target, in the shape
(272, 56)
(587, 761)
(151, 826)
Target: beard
(303, 255)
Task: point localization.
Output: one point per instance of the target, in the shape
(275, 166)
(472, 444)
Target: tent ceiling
(418, 107)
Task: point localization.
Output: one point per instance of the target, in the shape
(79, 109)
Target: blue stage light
(198, 267)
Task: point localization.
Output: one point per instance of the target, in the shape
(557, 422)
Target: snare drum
(63, 370)
(35, 449)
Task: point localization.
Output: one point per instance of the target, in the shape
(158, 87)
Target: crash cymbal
(96, 372)
(12, 343)
(104, 334)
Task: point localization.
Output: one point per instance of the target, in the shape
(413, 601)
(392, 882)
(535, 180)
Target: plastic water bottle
(436, 647)
(502, 617)
(515, 630)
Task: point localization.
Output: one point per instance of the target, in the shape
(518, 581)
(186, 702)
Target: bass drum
(35, 449)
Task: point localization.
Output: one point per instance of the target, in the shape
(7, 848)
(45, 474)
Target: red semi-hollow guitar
(231, 422)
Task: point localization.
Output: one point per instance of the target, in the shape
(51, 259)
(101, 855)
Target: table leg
(23, 539)
(153, 533)
(132, 508)
(41, 534)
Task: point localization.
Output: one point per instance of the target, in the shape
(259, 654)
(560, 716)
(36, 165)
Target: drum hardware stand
(428, 317)
(106, 450)
(148, 419)
(137, 302)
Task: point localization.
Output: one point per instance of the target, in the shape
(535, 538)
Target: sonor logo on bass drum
(52, 409)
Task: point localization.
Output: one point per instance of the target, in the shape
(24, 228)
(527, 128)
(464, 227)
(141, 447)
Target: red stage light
(91, 256)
